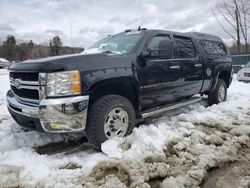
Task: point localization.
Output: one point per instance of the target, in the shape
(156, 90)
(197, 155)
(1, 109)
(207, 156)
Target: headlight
(63, 83)
(240, 75)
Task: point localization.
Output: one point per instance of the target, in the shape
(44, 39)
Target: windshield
(248, 65)
(121, 44)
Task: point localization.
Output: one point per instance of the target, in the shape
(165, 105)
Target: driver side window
(161, 46)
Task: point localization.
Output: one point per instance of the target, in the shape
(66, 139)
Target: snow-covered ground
(175, 151)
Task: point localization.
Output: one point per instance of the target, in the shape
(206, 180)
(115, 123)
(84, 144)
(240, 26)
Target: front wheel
(109, 116)
(219, 94)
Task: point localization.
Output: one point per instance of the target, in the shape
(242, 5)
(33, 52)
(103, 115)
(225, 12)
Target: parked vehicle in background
(121, 79)
(244, 74)
(4, 63)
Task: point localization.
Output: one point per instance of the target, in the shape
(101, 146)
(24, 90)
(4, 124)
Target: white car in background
(244, 74)
(4, 63)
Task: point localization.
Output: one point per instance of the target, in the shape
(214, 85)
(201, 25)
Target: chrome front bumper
(58, 115)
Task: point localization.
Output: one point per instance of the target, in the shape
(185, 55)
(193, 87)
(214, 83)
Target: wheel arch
(124, 86)
(224, 75)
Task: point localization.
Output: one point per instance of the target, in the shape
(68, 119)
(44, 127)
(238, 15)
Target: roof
(196, 35)
(205, 36)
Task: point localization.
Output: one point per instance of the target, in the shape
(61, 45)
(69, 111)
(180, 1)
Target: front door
(161, 75)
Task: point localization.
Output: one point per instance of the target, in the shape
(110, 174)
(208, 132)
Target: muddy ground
(214, 154)
(231, 175)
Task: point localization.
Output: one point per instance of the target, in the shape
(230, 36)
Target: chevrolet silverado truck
(122, 79)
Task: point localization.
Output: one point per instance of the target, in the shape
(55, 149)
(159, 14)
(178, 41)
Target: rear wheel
(219, 94)
(109, 116)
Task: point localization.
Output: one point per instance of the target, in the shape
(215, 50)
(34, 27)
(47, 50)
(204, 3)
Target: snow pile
(175, 151)
(21, 165)
(3, 60)
(191, 142)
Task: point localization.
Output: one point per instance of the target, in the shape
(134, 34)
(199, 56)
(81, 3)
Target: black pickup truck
(121, 79)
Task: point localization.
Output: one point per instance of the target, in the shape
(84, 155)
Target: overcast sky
(40, 20)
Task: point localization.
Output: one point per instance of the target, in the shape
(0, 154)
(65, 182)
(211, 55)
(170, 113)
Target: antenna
(71, 37)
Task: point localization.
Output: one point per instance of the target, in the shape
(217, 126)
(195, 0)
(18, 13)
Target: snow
(3, 60)
(92, 51)
(177, 149)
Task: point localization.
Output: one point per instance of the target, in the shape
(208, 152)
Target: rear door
(161, 75)
(191, 65)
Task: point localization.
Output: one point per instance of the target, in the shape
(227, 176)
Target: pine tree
(55, 45)
(10, 45)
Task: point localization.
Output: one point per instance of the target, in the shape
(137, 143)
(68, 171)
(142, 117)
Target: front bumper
(57, 115)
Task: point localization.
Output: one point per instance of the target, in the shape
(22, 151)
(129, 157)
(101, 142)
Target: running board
(173, 106)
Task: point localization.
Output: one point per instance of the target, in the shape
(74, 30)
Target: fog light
(55, 126)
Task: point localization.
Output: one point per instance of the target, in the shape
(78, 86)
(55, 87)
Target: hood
(244, 70)
(72, 62)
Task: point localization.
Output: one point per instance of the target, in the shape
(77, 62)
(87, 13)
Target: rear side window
(184, 47)
(212, 47)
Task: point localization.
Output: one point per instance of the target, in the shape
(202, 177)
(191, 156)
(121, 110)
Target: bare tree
(244, 10)
(236, 14)
(229, 12)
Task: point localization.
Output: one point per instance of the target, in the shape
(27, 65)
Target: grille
(247, 74)
(27, 76)
(26, 93)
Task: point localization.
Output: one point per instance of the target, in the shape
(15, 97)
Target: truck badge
(15, 82)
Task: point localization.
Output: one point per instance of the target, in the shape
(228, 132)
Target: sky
(91, 20)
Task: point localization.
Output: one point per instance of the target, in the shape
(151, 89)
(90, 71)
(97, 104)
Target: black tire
(214, 97)
(97, 113)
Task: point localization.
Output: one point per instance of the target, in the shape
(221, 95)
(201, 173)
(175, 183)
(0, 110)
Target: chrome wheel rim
(116, 123)
(221, 93)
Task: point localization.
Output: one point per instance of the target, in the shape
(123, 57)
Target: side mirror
(146, 53)
(164, 50)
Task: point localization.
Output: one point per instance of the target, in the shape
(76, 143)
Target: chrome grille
(26, 85)
(27, 76)
(26, 93)
(246, 74)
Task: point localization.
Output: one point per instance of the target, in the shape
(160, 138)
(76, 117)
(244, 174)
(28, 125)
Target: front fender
(101, 76)
(120, 82)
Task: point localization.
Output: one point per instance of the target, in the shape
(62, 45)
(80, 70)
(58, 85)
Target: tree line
(13, 51)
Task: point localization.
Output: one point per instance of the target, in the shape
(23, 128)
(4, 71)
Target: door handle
(175, 67)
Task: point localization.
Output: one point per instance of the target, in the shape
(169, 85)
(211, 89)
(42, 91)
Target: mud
(68, 147)
(231, 175)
